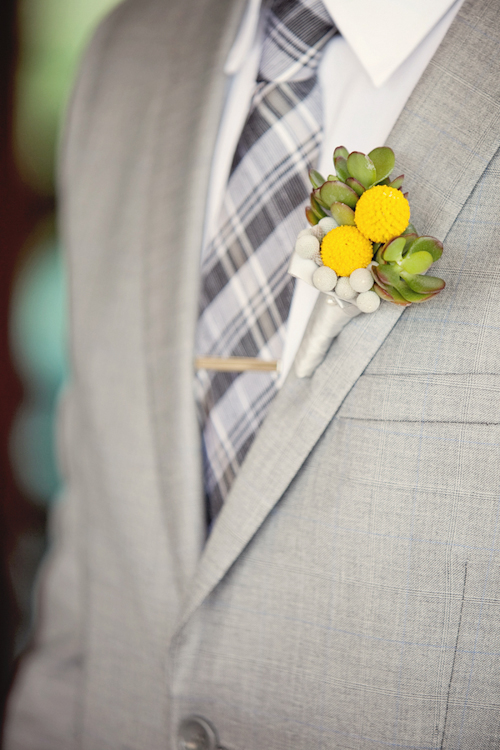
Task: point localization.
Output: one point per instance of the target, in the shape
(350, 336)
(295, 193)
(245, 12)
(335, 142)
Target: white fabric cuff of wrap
(329, 316)
(326, 322)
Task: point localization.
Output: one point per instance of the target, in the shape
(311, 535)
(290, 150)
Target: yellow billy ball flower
(344, 249)
(382, 213)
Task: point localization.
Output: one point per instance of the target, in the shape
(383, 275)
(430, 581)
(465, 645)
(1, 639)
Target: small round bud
(327, 224)
(324, 279)
(344, 290)
(317, 231)
(307, 246)
(361, 280)
(304, 233)
(368, 302)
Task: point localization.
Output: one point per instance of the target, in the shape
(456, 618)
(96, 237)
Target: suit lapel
(454, 98)
(187, 107)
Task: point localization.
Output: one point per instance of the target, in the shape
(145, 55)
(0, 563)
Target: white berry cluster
(356, 288)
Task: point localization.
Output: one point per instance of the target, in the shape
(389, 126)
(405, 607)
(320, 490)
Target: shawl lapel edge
(189, 102)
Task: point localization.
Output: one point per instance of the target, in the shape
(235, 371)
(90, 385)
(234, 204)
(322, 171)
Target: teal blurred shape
(38, 345)
(32, 452)
(38, 320)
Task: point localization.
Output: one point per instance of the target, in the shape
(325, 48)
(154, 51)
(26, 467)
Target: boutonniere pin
(360, 248)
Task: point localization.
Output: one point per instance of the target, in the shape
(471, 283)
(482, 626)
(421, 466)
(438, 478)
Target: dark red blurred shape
(20, 211)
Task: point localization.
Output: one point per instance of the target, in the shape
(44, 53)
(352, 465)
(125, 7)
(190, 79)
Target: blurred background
(41, 42)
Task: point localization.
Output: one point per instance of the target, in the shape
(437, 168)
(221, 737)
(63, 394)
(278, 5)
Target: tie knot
(296, 32)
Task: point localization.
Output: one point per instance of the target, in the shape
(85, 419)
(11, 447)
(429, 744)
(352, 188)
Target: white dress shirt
(367, 74)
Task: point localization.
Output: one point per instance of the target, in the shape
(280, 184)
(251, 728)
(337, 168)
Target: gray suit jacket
(349, 594)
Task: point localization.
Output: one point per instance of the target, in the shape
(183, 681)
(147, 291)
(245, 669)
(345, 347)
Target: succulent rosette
(360, 235)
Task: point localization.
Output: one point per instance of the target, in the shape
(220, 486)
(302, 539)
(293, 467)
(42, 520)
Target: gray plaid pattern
(246, 291)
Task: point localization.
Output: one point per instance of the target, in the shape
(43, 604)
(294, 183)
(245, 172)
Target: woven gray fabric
(348, 596)
(246, 290)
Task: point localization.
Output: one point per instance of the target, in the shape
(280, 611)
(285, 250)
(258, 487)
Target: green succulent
(401, 262)
(355, 173)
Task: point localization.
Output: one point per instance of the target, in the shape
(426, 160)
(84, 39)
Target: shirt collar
(382, 33)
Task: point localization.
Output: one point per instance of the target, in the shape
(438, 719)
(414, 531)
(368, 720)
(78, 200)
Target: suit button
(195, 733)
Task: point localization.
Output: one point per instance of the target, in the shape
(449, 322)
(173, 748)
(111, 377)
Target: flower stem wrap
(326, 322)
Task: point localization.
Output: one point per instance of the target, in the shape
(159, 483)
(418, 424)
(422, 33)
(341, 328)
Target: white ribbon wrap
(329, 316)
(326, 321)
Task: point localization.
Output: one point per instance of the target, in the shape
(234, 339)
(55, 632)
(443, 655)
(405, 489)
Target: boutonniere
(360, 248)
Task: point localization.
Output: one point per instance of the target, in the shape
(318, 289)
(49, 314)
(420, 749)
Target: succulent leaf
(311, 216)
(390, 296)
(417, 262)
(341, 167)
(397, 182)
(410, 229)
(394, 250)
(382, 293)
(316, 194)
(317, 208)
(428, 244)
(376, 277)
(362, 169)
(383, 158)
(409, 239)
(342, 214)
(380, 278)
(408, 293)
(424, 297)
(337, 192)
(388, 275)
(316, 178)
(340, 151)
(355, 185)
(423, 284)
(332, 177)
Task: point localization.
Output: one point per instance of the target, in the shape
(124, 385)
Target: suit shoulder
(139, 44)
(129, 39)
(137, 29)
(130, 50)
(141, 40)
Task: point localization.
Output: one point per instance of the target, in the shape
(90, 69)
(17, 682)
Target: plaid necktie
(246, 290)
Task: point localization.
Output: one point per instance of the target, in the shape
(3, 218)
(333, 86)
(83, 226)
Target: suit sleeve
(45, 704)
